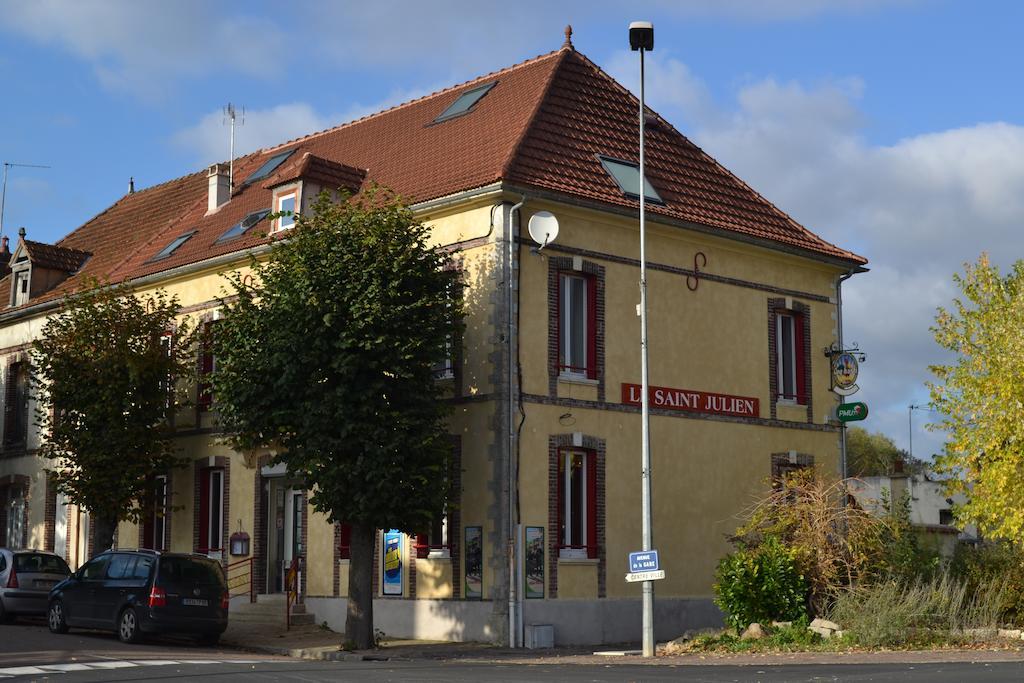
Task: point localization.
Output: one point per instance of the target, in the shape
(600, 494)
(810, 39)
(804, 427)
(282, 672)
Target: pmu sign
(852, 412)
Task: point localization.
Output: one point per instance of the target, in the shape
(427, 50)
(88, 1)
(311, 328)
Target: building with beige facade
(546, 427)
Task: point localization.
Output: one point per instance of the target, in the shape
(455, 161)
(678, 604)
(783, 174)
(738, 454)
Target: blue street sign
(646, 561)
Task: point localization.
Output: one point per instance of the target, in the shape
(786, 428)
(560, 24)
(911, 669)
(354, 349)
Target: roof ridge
(121, 199)
(792, 221)
(403, 105)
(510, 159)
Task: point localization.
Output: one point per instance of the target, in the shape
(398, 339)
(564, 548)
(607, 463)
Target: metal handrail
(249, 574)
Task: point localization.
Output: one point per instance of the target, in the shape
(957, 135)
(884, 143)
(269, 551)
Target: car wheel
(5, 618)
(55, 618)
(128, 627)
(208, 639)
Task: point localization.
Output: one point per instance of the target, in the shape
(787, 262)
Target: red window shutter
(345, 542)
(592, 327)
(561, 499)
(422, 545)
(799, 358)
(559, 353)
(204, 511)
(591, 505)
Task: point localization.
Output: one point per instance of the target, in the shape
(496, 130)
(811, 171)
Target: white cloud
(143, 47)
(918, 208)
(208, 139)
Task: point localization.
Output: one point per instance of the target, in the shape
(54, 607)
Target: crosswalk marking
(65, 667)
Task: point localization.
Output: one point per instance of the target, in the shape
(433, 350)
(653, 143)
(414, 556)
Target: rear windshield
(37, 563)
(191, 570)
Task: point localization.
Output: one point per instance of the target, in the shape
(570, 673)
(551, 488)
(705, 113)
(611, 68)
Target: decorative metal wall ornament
(694, 278)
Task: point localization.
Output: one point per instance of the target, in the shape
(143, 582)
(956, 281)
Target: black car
(137, 592)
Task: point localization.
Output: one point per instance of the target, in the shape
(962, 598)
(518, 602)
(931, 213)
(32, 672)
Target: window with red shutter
(577, 329)
(345, 541)
(577, 504)
(211, 509)
(790, 364)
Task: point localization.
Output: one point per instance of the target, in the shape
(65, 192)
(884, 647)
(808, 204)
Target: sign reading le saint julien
(692, 401)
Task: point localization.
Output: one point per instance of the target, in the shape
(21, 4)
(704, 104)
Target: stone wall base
(576, 622)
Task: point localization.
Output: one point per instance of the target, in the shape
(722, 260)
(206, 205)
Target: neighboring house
(930, 507)
(743, 300)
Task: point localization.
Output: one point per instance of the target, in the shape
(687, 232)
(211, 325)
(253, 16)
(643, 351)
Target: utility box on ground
(539, 636)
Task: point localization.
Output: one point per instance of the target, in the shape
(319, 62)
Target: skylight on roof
(241, 227)
(464, 102)
(627, 176)
(268, 167)
(173, 246)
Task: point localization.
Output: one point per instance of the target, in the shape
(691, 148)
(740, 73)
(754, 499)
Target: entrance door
(284, 530)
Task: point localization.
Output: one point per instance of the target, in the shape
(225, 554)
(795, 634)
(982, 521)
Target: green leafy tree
(874, 454)
(327, 357)
(980, 395)
(103, 371)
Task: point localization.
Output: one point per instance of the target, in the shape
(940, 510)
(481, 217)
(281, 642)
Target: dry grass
(893, 613)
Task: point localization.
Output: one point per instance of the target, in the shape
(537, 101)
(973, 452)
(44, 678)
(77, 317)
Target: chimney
(131, 185)
(5, 257)
(220, 187)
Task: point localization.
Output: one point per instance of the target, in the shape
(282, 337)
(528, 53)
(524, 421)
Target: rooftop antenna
(3, 191)
(232, 117)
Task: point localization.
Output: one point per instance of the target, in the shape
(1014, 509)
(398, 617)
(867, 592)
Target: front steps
(270, 609)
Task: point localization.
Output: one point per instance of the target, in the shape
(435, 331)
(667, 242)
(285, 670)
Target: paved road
(28, 652)
(307, 671)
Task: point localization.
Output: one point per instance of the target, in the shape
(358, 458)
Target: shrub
(761, 584)
(992, 563)
(835, 545)
(895, 612)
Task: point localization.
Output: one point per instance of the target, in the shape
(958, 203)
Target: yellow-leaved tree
(981, 397)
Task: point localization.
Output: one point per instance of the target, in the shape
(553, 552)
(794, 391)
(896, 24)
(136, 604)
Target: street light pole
(641, 38)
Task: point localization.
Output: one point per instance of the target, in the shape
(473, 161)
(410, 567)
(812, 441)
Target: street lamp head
(641, 35)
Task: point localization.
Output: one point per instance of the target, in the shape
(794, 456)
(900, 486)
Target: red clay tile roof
(55, 257)
(541, 126)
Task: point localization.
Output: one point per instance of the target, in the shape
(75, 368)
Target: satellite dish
(543, 228)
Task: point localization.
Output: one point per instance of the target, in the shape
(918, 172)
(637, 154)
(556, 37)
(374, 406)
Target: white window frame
(215, 513)
(20, 286)
(278, 202)
(783, 319)
(16, 519)
(565, 312)
(443, 550)
(566, 540)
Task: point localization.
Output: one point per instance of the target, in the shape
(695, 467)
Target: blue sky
(892, 127)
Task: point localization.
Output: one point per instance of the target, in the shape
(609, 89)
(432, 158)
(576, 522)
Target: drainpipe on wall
(514, 600)
(839, 326)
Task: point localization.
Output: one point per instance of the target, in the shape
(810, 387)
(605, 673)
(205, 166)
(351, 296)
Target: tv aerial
(543, 227)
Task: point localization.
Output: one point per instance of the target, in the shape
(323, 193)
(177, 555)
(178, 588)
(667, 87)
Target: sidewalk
(314, 642)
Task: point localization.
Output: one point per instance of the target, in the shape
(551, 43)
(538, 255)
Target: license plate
(45, 584)
(195, 602)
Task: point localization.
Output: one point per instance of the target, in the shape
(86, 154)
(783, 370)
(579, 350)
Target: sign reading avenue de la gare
(692, 401)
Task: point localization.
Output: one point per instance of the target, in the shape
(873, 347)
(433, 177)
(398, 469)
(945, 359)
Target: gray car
(26, 577)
